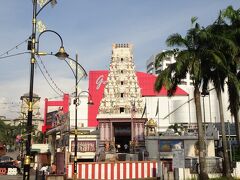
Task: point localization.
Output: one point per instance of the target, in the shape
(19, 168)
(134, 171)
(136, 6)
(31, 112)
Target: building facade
(210, 110)
(151, 69)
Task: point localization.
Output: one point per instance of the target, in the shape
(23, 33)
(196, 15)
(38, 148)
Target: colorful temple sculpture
(121, 123)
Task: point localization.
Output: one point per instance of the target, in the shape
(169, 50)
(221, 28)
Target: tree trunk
(226, 163)
(201, 136)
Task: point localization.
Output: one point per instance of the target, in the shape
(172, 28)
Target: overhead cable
(47, 79)
(15, 47)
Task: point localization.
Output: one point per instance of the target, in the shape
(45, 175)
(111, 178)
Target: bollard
(36, 175)
(43, 175)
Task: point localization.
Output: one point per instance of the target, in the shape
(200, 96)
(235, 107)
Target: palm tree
(230, 19)
(188, 59)
(227, 26)
(216, 71)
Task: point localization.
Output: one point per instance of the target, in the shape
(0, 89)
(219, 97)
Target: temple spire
(122, 91)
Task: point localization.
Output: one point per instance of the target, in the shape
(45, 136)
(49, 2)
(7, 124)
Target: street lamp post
(26, 168)
(76, 102)
(32, 47)
(76, 98)
(75, 130)
(63, 55)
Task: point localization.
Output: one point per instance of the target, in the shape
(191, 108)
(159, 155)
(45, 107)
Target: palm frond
(176, 40)
(233, 98)
(194, 19)
(162, 56)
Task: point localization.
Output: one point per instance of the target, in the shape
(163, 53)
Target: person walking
(125, 148)
(53, 168)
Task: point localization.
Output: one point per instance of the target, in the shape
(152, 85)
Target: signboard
(56, 118)
(63, 141)
(169, 145)
(51, 117)
(84, 146)
(98, 81)
(178, 158)
(59, 121)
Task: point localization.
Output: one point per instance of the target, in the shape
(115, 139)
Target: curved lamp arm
(82, 69)
(79, 65)
(61, 54)
(44, 6)
(90, 102)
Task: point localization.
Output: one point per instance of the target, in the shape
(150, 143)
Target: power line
(52, 81)
(183, 104)
(15, 47)
(47, 79)
(50, 76)
(12, 55)
(56, 97)
(9, 103)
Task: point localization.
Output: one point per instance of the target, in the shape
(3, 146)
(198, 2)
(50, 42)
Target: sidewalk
(17, 177)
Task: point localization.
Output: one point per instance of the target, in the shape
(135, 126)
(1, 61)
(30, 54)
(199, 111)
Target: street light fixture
(32, 47)
(61, 54)
(76, 102)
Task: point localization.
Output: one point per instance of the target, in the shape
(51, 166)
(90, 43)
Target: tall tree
(216, 71)
(230, 25)
(188, 59)
(227, 26)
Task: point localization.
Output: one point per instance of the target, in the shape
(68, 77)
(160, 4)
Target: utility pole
(27, 160)
(76, 116)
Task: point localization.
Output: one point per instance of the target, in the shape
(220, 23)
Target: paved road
(17, 177)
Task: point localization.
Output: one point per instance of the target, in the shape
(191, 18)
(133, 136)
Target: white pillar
(101, 131)
(107, 131)
(141, 131)
(135, 131)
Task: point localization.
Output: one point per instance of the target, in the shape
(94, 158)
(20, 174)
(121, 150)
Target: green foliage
(38, 137)
(236, 154)
(8, 133)
(210, 54)
(176, 128)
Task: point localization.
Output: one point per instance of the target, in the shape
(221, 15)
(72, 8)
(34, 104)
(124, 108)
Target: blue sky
(90, 27)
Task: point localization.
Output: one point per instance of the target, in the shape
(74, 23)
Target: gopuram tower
(121, 108)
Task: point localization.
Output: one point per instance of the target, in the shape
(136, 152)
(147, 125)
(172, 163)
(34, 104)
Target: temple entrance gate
(122, 136)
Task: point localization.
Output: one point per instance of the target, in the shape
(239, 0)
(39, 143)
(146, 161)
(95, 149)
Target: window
(121, 59)
(121, 82)
(122, 71)
(121, 109)
(121, 95)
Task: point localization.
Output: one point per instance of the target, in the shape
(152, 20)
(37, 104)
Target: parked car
(6, 159)
(7, 165)
(8, 162)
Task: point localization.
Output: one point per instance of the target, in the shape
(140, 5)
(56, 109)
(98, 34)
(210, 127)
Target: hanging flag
(144, 110)
(157, 110)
